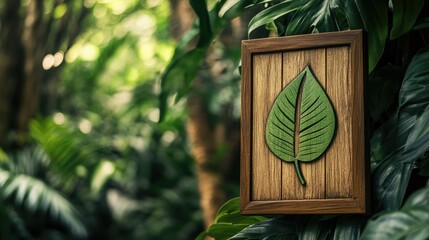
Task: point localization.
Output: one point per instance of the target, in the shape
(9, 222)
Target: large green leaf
(276, 228)
(397, 145)
(327, 15)
(301, 123)
(348, 227)
(272, 13)
(64, 149)
(178, 77)
(423, 166)
(410, 222)
(382, 85)
(422, 24)
(183, 67)
(229, 221)
(317, 227)
(35, 196)
(374, 16)
(405, 13)
(200, 8)
(230, 213)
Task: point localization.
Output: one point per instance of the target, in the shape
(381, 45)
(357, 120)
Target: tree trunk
(203, 146)
(207, 139)
(10, 57)
(32, 39)
(26, 35)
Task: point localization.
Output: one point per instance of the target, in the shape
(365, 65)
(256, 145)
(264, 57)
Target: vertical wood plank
(338, 168)
(266, 168)
(314, 172)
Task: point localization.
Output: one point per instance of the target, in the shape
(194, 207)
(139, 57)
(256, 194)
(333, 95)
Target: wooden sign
(303, 147)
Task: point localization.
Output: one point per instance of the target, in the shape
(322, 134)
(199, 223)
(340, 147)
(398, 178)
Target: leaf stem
(298, 172)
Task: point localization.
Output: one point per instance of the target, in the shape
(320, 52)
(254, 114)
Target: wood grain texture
(301, 42)
(339, 167)
(266, 168)
(360, 168)
(245, 127)
(337, 183)
(307, 206)
(314, 173)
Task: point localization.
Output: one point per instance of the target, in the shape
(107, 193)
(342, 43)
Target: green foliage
(374, 17)
(20, 187)
(398, 144)
(229, 221)
(405, 14)
(184, 66)
(272, 13)
(410, 222)
(123, 175)
(302, 227)
(382, 85)
(65, 148)
(276, 228)
(293, 17)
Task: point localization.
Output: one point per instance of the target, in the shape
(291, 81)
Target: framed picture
(303, 143)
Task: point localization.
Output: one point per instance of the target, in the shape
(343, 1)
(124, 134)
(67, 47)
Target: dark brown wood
(246, 131)
(339, 180)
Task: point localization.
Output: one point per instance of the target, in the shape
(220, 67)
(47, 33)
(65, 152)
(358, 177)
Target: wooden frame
(342, 53)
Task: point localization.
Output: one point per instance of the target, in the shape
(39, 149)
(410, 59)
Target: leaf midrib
(298, 115)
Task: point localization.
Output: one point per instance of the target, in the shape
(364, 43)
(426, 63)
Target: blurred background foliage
(82, 154)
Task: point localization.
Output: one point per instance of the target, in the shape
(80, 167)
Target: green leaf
(178, 77)
(229, 221)
(397, 145)
(348, 227)
(382, 85)
(183, 67)
(374, 16)
(416, 84)
(315, 16)
(230, 213)
(423, 166)
(206, 35)
(301, 123)
(328, 15)
(64, 148)
(223, 231)
(272, 13)
(422, 24)
(276, 228)
(316, 227)
(411, 222)
(233, 8)
(405, 13)
(325, 16)
(35, 196)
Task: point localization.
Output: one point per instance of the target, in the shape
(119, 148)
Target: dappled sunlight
(85, 126)
(59, 118)
(89, 52)
(48, 61)
(103, 172)
(153, 114)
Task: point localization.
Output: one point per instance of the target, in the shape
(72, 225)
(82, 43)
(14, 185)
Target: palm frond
(63, 148)
(35, 196)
